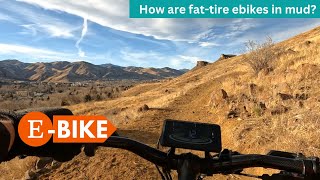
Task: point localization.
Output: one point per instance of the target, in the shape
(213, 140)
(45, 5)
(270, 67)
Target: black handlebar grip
(8, 124)
(59, 151)
(5, 138)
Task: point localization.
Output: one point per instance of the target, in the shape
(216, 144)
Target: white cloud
(27, 51)
(83, 33)
(52, 30)
(57, 31)
(208, 44)
(5, 17)
(34, 22)
(191, 59)
(142, 58)
(115, 15)
(29, 29)
(35, 54)
(202, 33)
(13, 48)
(285, 34)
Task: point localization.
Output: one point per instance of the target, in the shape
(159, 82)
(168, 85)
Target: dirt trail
(188, 97)
(188, 101)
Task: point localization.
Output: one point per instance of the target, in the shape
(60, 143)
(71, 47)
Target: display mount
(191, 135)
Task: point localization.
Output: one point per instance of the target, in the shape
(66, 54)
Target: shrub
(257, 111)
(260, 55)
(98, 97)
(87, 98)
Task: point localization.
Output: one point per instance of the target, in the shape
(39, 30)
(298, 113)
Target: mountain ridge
(64, 71)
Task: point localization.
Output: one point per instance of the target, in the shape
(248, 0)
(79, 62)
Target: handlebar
(306, 166)
(186, 164)
(151, 154)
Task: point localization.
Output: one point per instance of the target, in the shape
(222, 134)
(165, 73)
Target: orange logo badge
(36, 129)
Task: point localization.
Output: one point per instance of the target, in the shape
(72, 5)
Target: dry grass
(261, 56)
(190, 97)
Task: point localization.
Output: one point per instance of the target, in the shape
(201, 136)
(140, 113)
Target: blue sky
(99, 31)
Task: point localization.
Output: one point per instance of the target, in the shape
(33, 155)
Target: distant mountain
(184, 70)
(63, 71)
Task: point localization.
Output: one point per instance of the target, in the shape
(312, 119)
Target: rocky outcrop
(226, 56)
(285, 97)
(280, 109)
(143, 108)
(201, 64)
(218, 98)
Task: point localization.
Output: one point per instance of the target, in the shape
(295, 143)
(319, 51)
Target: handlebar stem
(188, 167)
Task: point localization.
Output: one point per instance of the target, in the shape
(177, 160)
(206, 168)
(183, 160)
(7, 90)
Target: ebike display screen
(191, 135)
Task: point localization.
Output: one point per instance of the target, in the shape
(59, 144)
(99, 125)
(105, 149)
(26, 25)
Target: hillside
(63, 71)
(278, 109)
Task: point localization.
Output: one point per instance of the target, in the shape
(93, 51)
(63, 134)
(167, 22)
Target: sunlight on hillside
(278, 110)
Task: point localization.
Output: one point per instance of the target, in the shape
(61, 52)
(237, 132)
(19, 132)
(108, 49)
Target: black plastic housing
(191, 135)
